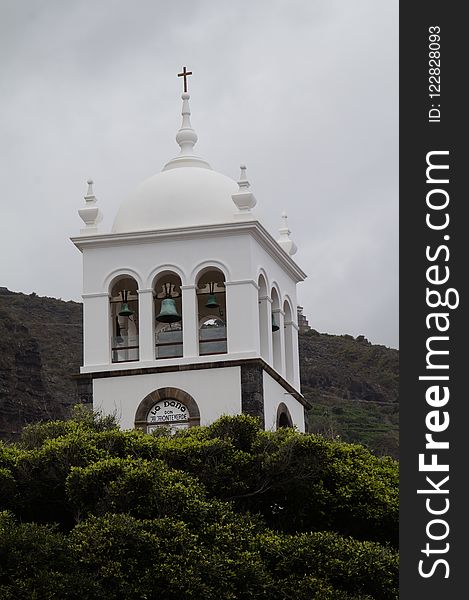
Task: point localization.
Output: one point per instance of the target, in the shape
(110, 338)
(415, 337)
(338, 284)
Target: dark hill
(354, 388)
(352, 383)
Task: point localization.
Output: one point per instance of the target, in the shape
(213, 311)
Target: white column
(96, 329)
(190, 324)
(242, 316)
(146, 325)
(265, 318)
(295, 357)
(291, 353)
(279, 345)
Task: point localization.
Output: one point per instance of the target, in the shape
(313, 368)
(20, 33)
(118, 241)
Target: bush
(225, 511)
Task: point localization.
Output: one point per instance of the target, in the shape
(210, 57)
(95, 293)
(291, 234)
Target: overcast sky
(302, 91)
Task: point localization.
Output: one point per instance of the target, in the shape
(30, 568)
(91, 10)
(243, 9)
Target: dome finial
(186, 137)
(284, 240)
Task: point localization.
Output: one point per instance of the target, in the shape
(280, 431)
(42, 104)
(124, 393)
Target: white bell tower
(190, 307)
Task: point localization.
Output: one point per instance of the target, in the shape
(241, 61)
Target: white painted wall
(238, 254)
(217, 392)
(274, 394)
(241, 256)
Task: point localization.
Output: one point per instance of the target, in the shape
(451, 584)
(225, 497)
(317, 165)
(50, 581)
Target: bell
(125, 311)
(212, 302)
(168, 312)
(275, 327)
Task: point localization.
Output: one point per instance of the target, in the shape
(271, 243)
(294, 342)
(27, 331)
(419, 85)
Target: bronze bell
(168, 312)
(212, 299)
(212, 302)
(275, 327)
(125, 311)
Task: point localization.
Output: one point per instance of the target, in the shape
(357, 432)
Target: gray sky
(303, 91)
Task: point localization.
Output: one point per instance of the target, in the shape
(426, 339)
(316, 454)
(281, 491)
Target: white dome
(178, 197)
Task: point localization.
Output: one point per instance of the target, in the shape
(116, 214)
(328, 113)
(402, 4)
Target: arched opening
(289, 357)
(169, 408)
(211, 312)
(283, 416)
(276, 332)
(265, 319)
(168, 316)
(124, 320)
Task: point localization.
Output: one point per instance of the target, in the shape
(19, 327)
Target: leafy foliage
(220, 512)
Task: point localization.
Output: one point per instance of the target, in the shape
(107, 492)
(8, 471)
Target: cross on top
(185, 74)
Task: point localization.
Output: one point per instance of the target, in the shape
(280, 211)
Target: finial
(90, 194)
(186, 137)
(243, 182)
(243, 198)
(90, 214)
(284, 240)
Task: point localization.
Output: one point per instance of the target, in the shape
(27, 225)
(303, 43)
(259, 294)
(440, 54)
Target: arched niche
(123, 311)
(283, 416)
(168, 315)
(211, 311)
(289, 341)
(265, 318)
(276, 331)
(168, 407)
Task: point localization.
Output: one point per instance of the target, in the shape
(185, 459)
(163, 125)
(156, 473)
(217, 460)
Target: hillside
(352, 383)
(354, 388)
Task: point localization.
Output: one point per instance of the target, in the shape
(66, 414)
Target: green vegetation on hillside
(220, 512)
(352, 384)
(354, 389)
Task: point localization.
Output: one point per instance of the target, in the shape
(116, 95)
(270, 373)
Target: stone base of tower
(186, 395)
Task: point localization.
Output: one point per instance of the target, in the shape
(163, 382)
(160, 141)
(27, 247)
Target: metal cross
(185, 74)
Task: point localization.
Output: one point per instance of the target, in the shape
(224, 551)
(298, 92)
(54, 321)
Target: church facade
(190, 308)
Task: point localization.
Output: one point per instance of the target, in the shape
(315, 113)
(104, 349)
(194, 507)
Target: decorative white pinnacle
(186, 137)
(90, 214)
(90, 197)
(284, 240)
(243, 198)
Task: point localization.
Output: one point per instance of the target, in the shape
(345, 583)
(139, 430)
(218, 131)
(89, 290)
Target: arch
(211, 311)
(275, 290)
(114, 276)
(166, 393)
(124, 318)
(276, 329)
(283, 416)
(261, 273)
(207, 265)
(289, 340)
(265, 318)
(287, 302)
(263, 285)
(167, 305)
(157, 272)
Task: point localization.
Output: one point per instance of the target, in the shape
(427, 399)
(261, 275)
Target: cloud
(304, 92)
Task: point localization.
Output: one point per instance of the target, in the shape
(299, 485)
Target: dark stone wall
(84, 389)
(252, 390)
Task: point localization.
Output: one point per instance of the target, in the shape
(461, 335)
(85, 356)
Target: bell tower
(190, 307)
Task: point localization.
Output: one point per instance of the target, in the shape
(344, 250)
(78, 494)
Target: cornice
(254, 228)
